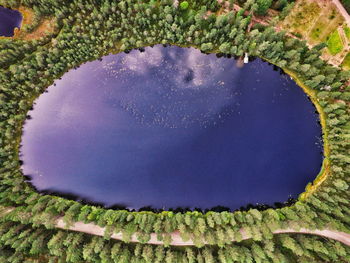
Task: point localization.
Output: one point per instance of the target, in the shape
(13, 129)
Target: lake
(172, 127)
(9, 20)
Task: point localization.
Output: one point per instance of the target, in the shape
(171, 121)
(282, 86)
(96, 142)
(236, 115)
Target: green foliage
(42, 245)
(263, 6)
(184, 5)
(89, 30)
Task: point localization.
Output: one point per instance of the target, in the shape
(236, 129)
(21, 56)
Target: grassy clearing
(317, 31)
(346, 62)
(302, 17)
(314, 21)
(334, 43)
(327, 23)
(28, 15)
(44, 28)
(347, 31)
(318, 22)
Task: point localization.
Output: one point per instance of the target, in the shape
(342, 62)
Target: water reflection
(172, 127)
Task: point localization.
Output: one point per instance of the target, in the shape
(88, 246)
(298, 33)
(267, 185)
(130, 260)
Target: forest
(86, 30)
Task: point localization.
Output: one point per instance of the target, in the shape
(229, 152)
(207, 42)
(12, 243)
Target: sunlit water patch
(172, 127)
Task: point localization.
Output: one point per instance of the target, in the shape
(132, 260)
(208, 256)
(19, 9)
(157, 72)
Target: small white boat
(246, 58)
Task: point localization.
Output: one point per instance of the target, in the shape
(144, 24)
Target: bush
(263, 6)
(184, 5)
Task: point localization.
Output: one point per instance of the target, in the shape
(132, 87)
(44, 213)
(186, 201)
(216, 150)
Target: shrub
(184, 5)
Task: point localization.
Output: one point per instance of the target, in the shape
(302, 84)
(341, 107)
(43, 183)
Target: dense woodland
(88, 29)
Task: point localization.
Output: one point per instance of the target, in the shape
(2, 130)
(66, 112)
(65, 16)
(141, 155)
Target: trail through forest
(177, 240)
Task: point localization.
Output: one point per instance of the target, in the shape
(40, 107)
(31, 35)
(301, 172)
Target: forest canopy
(86, 30)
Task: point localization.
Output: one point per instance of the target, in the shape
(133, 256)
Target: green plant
(184, 5)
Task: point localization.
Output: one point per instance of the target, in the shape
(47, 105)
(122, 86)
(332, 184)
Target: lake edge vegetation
(87, 30)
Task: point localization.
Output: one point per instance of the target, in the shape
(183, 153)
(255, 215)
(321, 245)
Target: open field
(320, 22)
(325, 25)
(302, 17)
(335, 43)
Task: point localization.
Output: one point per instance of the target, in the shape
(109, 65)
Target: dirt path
(342, 11)
(93, 229)
(177, 240)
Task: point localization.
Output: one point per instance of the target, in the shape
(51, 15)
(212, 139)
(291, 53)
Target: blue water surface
(172, 127)
(9, 20)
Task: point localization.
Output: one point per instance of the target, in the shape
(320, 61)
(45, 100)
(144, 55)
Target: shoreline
(310, 188)
(324, 171)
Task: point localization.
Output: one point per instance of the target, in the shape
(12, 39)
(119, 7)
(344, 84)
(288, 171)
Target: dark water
(172, 127)
(9, 20)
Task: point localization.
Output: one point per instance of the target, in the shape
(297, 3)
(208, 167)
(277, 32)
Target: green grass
(302, 17)
(346, 62)
(327, 23)
(313, 23)
(317, 31)
(347, 31)
(334, 43)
